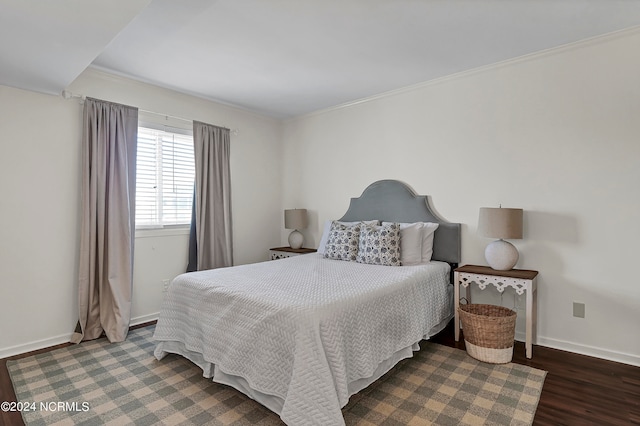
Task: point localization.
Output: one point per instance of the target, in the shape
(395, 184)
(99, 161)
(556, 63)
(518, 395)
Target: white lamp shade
(500, 223)
(295, 219)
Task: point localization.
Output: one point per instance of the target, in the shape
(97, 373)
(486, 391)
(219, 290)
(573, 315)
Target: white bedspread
(302, 328)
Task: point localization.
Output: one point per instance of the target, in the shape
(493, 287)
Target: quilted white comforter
(302, 328)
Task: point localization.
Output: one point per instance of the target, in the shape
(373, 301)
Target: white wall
(40, 187)
(556, 134)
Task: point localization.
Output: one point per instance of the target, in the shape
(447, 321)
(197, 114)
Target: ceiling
(286, 57)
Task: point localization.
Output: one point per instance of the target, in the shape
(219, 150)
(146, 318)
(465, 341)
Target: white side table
(284, 252)
(522, 280)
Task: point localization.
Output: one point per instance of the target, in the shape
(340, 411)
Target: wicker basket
(489, 332)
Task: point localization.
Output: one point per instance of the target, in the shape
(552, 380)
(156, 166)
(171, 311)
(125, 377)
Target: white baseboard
(576, 348)
(35, 345)
(58, 340)
(145, 318)
(607, 354)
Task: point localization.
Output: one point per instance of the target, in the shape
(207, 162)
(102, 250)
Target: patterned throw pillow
(380, 245)
(342, 242)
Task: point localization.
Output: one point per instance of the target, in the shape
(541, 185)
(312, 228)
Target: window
(165, 174)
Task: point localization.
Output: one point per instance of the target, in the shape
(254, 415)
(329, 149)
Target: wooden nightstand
(522, 280)
(282, 252)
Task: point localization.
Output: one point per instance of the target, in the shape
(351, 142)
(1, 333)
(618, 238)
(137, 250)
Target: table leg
(530, 319)
(456, 304)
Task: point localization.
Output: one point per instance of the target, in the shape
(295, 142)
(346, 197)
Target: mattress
(302, 334)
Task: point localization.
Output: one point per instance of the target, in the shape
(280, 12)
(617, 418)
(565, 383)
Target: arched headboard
(394, 201)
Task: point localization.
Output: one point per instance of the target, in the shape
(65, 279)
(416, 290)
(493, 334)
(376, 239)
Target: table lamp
(295, 219)
(502, 223)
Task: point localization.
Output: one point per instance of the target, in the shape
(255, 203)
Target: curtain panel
(105, 277)
(211, 244)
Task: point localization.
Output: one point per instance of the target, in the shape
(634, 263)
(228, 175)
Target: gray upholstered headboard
(394, 201)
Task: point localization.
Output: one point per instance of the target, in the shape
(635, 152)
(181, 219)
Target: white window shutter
(165, 178)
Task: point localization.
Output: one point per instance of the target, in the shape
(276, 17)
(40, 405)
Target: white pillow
(428, 230)
(327, 228)
(410, 243)
(416, 246)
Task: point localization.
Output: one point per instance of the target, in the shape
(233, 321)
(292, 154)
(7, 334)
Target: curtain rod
(68, 95)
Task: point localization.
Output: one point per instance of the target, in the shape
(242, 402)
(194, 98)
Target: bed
(301, 335)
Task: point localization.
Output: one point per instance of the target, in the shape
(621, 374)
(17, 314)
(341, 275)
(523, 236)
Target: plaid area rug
(100, 383)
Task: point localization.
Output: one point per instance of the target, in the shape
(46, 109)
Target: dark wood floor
(578, 390)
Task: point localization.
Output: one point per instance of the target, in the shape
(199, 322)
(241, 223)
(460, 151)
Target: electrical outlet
(578, 310)
(165, 285)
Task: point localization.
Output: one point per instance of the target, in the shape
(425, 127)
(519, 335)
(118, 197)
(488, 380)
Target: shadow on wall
(550, 227)
(543, 232)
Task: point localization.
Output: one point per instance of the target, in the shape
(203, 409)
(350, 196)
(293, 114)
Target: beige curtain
(214, 245)
(109, 141)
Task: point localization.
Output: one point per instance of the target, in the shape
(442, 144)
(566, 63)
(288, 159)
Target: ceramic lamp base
(501, 255)
(296, 239)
